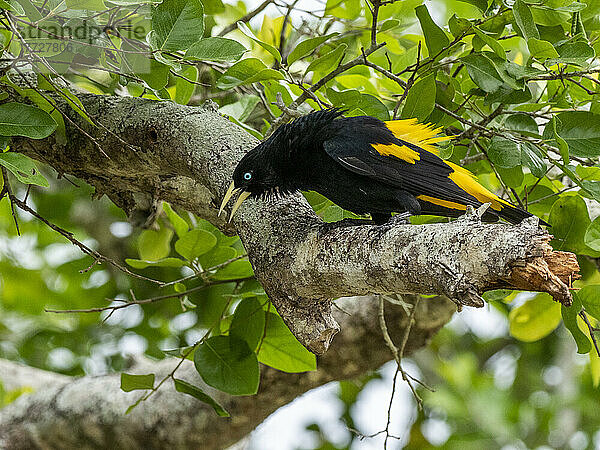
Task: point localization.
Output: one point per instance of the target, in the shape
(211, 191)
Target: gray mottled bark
(186, 155)
(88, 412)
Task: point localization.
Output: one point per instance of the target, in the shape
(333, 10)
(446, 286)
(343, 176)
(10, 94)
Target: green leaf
(483, 72)
(248, 322)
(177, 24)
(577, 25)
(569, 316)
(481, 4)
(532, 157)
(247, 71)
(347, 9)
(372, 106)
(179, 288)
(595, 368)
(184, 89)
(227, 363)
(541, 50)
(23, 168)
(179, 225)
(306, 47)
(268, 47)
(524, 19)
(187, 388)
(522, 123)
(282, 351)
(131, 382)
(213, 6)
(491, 43)
(76, 104)
(591, 173)
(195, 243)
(570, 220)
(420, 100)
(534, 319)
(218, 255)
(88, 5)
(165, 262)
(216, 49)
(388, 25)
(506, 72)
(241, 109)
(458, 25)
(236, 270)
(590, 299)
(504, 153)
(12, 6)
(575, 53)
(579, 129)
(17, 119)
(591, 189)
(563, 146)
(154, 73)
(328, 61)
(142, 65)
(155, 245)
(592, 235)
(520, 72)
(512, 177)
(352, 99)
(435, 38)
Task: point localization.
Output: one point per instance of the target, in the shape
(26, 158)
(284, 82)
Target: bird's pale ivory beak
(230, 192)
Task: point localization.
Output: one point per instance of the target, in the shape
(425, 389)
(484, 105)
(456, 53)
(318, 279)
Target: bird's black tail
(515, 215)
(507, 211)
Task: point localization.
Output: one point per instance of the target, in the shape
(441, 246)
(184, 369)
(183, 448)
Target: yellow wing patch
(399, 151)
(468, 183)
(444, 203)
(422, 135)
(425, 136)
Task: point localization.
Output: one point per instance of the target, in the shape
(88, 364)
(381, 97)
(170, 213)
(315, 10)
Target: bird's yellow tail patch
(468, 183)
(426, 136)
(399, 151)
(422, 135)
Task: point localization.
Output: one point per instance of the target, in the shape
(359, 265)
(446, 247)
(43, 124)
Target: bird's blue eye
(247, 176)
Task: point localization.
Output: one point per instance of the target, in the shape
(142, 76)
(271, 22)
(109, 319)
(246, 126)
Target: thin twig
(584, 316)
(144, 301)
(98, 257)
(398, 354)
(246, 18)
(204, 272)
(6, 190)
(183, 357)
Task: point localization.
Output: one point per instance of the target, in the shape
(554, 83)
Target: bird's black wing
(369, 147)
(407, 166)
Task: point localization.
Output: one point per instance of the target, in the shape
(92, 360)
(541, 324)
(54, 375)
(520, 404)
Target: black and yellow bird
(365, 166)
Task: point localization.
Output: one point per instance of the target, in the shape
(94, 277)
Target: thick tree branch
(186, 156)
(14, 375)
(90, 411)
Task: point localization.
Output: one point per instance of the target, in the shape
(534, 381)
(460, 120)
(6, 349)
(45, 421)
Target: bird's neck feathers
(303, 135)
(292, 145)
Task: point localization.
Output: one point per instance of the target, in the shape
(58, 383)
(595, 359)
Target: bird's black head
(256, 173)
(269, 167)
